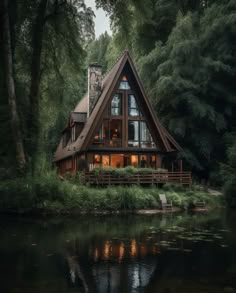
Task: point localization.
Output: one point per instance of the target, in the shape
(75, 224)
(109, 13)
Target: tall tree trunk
(37, 44)
(15, 120)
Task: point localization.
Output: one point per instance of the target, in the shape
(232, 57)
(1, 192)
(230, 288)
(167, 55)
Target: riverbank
(50, 195)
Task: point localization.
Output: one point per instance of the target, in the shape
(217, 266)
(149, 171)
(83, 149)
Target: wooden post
(181, 166)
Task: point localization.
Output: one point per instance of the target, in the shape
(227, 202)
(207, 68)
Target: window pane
(116, 133)
(115, 129)
(117, 160)
(133, 106)
(96, 161)
(105, 161)
(133, 131)
(133, 134)
(143, 161)
(152, 161)
(98, 135)
(146, 140)
(116, 106)
(144, 132)
(124, 85)
(134, 160)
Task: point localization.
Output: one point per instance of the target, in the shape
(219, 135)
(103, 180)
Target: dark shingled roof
(108, 84)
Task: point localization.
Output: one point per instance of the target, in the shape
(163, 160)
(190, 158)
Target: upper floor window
(124, 85)
(133, 106)
(116, 105)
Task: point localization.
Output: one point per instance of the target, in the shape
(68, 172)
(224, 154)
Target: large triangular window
(124, 85)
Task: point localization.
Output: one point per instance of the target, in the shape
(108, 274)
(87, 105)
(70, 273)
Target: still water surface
(175, 253)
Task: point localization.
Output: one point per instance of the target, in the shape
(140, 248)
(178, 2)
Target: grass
(48, 194)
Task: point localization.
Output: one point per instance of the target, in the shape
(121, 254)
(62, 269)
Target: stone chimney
(94, 85)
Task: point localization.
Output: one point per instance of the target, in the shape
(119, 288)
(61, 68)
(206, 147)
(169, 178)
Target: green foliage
(98, 50)
(228, 171)
(189, 82)
(126, 172)
(48, 194)
(68, 28)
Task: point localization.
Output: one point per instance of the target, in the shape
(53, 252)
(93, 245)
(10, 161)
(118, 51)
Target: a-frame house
(114, 125)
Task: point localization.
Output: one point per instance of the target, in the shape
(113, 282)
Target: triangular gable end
(127, 68)
(110, 84)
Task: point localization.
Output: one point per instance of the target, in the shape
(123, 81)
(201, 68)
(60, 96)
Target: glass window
(146, 140)
(116, 133)
(134, 160)
(124, 85)
(117, 161)
(105, 161)
(133, 133)
(143, 161)
(144, 132)
(116, 105)
(152, 161)
(115, 129)
(96, 161)
(133, 106)
(98, 135)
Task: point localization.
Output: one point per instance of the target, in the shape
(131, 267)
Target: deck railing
(106, 178)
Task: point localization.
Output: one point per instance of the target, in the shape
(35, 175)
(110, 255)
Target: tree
(48, 41)
(192, 86)
(98, 50)
(11, 93)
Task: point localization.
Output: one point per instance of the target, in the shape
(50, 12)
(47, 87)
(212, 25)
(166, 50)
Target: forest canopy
(185, 53)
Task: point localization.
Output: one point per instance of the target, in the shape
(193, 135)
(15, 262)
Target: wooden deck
(151, 178)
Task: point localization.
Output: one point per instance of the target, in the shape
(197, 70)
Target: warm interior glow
(133, 248)
(117, 161)
(105, 161)
(96, 254)
(106, 250)
(134, 160)
(121, 251)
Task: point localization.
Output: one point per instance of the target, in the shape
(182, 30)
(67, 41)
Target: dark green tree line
(185, 51)
(46, 40)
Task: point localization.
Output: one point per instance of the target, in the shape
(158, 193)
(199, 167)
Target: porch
(149, 177)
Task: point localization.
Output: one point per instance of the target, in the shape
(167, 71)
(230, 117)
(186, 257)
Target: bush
(50, 194)
(124, 172)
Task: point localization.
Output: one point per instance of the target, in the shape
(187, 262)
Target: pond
(166, 253)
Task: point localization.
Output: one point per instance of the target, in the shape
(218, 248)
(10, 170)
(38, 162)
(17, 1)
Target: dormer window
(124, 85)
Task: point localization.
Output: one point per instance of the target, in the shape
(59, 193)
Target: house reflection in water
(112, 266)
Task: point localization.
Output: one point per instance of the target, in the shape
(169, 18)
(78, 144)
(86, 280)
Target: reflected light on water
(133, 248)
(121, 251)
(106, 250)
(96, 254)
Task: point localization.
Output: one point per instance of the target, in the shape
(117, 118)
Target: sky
(102, 22)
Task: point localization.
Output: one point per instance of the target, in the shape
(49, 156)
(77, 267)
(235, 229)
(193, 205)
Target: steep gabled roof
(109, 83)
